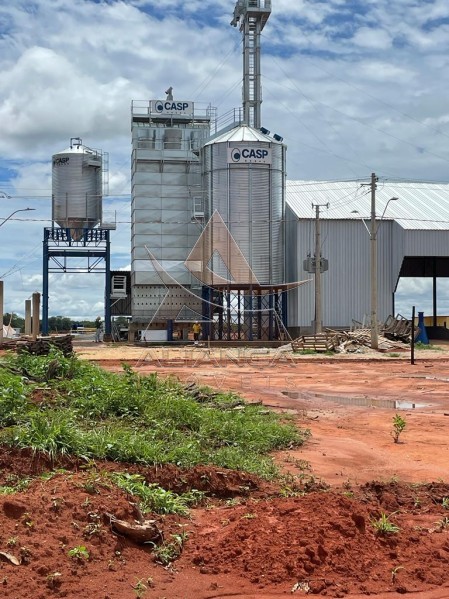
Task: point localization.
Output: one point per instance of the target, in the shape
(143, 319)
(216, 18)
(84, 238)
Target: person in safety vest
(196, 332)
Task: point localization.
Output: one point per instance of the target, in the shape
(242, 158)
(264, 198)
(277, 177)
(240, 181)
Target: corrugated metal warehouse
(412, 241)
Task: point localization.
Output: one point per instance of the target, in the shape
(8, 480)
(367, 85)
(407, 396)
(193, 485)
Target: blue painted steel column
(107, 301)
(284, 308)
(169, 329)
(239, 315)
(206, 309)
(259, 315)
(228, 315)
(45, 285)
(271, 316)
(248, 314)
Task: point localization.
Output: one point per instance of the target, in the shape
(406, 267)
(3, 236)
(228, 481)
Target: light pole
(372, 231)
(15, 212)
(1, 282)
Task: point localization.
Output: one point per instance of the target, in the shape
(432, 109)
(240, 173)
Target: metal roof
(242, 133)
(419, 205)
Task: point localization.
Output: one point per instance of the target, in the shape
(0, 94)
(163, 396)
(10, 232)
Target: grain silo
(208, 212)
(77, 186)
(241, 251)
(243, 172)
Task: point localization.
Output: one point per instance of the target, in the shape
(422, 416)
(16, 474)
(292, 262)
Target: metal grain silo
(243, 173)
(77, 186)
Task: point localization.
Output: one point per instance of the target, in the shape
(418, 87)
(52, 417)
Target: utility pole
(318, 323)
(373, 246)
(373, 230)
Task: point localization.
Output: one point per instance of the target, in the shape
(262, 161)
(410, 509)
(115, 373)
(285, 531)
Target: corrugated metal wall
(249, 198)
(346, 285)
(165, 182)
(426, 243)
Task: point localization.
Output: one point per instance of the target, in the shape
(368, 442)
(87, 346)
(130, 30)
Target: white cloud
(377, 39)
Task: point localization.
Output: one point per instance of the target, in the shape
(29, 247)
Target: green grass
(94, 414)
(421, 345)
(155, 499)
(14, 484)
(13, 398)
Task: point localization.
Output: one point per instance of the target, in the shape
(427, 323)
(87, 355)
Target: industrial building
(412, 223)
(167, 210)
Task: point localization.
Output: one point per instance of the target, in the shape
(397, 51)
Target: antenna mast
(252, 16)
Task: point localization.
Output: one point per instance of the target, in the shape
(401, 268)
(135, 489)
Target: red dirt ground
(252, 539)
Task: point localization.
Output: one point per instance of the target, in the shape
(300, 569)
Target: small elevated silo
(77, 187)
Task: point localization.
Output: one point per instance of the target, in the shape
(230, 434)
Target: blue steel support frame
(90, 244)
(270, 323)
(107, 290)
(45, 289)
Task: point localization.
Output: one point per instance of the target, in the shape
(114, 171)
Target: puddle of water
(358, 401)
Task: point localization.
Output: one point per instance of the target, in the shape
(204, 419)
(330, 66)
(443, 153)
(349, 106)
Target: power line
(354, 118)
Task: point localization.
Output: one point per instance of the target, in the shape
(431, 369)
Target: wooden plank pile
(42, 345)
(343, 342)
(353, 341)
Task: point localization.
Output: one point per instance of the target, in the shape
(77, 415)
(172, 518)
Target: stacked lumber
(353, 341)
(42, 345)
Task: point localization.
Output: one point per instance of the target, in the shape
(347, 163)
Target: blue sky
(353, 87)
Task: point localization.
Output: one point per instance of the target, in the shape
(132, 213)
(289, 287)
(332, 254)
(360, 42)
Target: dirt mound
(219, 483)
(326, 544)
(57, 538)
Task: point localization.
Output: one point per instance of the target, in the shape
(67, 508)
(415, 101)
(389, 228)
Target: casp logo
(170, 106)
(236, 155)
(250, 155)
(60, 161)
